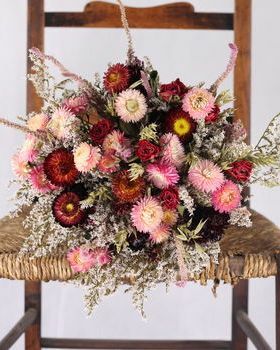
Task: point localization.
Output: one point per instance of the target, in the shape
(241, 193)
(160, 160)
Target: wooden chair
(241, 257)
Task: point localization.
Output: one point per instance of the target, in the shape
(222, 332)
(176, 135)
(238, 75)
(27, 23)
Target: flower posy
(134, 179)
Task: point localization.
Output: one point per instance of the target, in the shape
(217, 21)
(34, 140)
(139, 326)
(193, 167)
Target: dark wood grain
(242, 74)
(239, 302)
(242, 93)
(32, 292)
(180, 15)
(277, 299)
(35, 37)
(19, 328)
(251, 331)
(33, 300)
(134, 344)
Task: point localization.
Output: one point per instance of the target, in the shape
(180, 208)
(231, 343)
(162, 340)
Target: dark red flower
(60, 169)
(117, 78)
(169, 198)
(180, 123)
(67, 211)
(213, 115)
(126, 190)
(240, 170)
(121, 209)
(175, 88)
(100, 130)
(146, 150)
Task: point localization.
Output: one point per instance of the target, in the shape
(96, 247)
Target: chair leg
(277, 299)
(33, 300)
(239, 302)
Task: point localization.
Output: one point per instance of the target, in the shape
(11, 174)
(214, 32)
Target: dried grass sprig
(130, 50)
(39, 134)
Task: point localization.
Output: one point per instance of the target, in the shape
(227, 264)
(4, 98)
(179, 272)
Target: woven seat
(246, 253)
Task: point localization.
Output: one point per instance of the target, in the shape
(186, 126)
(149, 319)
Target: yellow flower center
(181, 126)
(69, 207)
(113, 77)
(132, 105)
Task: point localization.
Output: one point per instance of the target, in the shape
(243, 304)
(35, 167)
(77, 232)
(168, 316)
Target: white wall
(191, 312)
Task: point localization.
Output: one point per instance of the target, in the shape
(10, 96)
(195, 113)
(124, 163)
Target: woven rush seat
(245, 253)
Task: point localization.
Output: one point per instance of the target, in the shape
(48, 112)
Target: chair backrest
(181, 15)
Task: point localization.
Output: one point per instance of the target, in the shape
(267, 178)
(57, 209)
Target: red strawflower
(126, 190)
(100, 130)
(169, 198)
(117, 78)
(67, 211)
(240, 170)
(146, 150)
(175, 88)
(213, 115)
(180, 123)
(60, 169)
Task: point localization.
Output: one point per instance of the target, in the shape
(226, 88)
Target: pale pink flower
(198, 103)
(29, 150)
(108, 163)
(39, 180)
(160, 234)
(172, 150)
(62, 123)
(226, 198)
(102, 256)
(162, 175)
(81, 259)
(147, 214)
(38, 122)
(20, 167)
(131, 106)
(86, 157)
(76, 104)
(117, 143)
(206, 176)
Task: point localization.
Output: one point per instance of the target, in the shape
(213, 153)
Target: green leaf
(120, 240)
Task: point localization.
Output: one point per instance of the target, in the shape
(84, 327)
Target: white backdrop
(186, 313)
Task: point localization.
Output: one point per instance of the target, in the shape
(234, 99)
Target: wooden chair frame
(181, 15)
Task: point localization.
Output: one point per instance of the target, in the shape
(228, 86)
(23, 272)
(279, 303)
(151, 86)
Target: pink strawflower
(226, 198)
(118, 144)
(62, 123)
(160, 234)
(146, 214)
(76, 105)
(102, 256)
(198, 103)
(172, 149)
(131, 106)
(206, 176)
(38, 122)
(81, 259)
(86, 157)
(20, 167)
(39, 180)
(108, 163)
(162, 175)
(29, 150)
